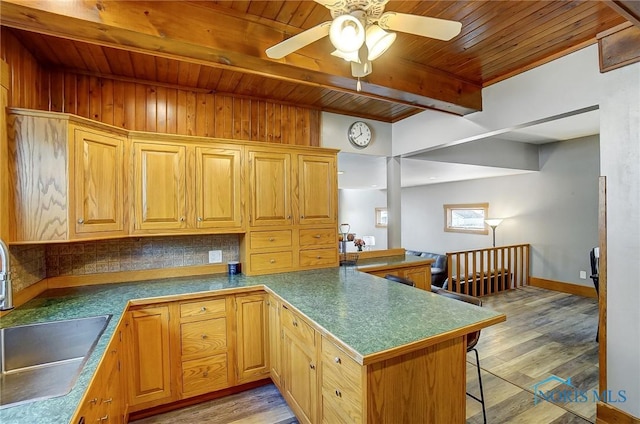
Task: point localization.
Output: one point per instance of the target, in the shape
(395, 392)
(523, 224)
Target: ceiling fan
(357, 31)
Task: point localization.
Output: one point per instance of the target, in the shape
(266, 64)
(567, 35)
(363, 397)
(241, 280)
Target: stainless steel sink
(44, 360)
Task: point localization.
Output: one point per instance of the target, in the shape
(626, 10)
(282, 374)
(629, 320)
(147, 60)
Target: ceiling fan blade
(298, 41)
(424, 26)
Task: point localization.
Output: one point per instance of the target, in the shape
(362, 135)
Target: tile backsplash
(32, 263)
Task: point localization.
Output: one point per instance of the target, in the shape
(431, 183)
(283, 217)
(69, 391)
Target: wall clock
(359, 134)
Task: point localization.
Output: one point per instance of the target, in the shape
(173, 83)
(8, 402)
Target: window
(381, 217)
(466, 218)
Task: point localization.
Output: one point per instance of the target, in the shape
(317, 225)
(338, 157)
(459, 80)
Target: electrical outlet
(583, 275)
(215, 256)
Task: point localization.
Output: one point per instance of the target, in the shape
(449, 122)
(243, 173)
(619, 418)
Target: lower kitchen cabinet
(299, 366)
(104, 401)
(148, 361)
(252, 337)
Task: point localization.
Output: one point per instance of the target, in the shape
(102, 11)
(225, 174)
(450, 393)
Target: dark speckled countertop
(368, 314)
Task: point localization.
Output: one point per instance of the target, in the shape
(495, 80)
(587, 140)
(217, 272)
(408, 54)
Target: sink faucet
(6, 295)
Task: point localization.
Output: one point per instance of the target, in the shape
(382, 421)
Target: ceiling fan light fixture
(347, 33)
(378, 41)
(359, 70)
(349, 57)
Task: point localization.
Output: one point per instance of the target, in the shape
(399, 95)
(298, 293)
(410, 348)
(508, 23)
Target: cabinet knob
(199, 219)
(288, 216)
(295, 323)
(80, 221)
(204, 308)
(338, 393)
(205, 374)
(312, 366)
(105, 418)
(318, 257)
(272, 239)
(301, 216)
(273, 261)
(204, 336)
(108, 400)
(337, 360)
(182, 219)
(317, 236)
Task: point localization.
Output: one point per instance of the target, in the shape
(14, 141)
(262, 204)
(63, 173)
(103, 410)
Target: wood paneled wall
(26, 74)
(145, 106)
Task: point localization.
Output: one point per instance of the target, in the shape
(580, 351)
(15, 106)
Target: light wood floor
(545, 333)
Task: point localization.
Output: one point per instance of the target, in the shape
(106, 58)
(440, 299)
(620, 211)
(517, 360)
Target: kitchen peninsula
(403, 350)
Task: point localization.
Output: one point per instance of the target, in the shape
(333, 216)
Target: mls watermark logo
(563, 391)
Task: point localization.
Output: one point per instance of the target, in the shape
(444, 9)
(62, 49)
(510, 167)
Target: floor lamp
(493, 223)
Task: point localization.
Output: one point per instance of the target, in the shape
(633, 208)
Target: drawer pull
(338, 393)
(313, 367)
(318, 257)
(273, 261)
(105, 418)
(108, 400)
(204, 336)
(317, 236)
(337, 360)
(203, 309)
(93, 401)
(272, 239)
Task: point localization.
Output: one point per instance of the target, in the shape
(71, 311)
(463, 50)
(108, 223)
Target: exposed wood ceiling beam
(628, 9)
(193, 32)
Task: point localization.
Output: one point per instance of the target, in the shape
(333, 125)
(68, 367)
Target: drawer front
(317, 237)
(267, 239)
(338, 407)
(317, 257)
(339, 371)
(204, 375)
(203, 338)
(271, 261)
(297, 327)
(204, 309)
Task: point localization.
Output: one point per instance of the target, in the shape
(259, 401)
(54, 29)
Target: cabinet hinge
(118, 365)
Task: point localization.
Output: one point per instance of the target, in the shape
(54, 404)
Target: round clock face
(359, 134)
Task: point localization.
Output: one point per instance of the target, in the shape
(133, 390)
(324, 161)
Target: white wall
(357, 208)
(567, 84)
(555, 210)
(334, 135)
(620, 163)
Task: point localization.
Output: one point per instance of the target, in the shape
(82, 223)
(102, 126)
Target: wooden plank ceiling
(218, 46)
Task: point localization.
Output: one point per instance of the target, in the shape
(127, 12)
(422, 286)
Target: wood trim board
(563, 287)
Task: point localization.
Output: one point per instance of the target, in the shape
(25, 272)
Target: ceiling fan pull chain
(358, 85)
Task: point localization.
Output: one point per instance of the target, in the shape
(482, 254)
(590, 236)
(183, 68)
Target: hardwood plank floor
(546, 333)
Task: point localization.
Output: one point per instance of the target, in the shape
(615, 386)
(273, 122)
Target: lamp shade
(493, 222)
(378, 41)
(347, 33)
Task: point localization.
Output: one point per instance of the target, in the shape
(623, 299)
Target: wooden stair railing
(488, 271)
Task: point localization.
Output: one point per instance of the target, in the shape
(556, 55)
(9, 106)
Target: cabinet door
(218, 187)
(270, 187)
(300, 379)
(112, 400)
(252, 338)
(275, 341)
(317, 192)
(148, 366)
(160, 186)
(99, 183)
(421, 276)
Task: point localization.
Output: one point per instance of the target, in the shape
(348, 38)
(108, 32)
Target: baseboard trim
(130, 276)
(607, 414)
(563, 287)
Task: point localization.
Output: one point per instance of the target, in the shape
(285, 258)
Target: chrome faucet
(6, 296)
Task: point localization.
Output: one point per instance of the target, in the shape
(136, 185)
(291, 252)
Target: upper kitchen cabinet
(66, 177)
(186, 185)
(270, 187)
(317, 191)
